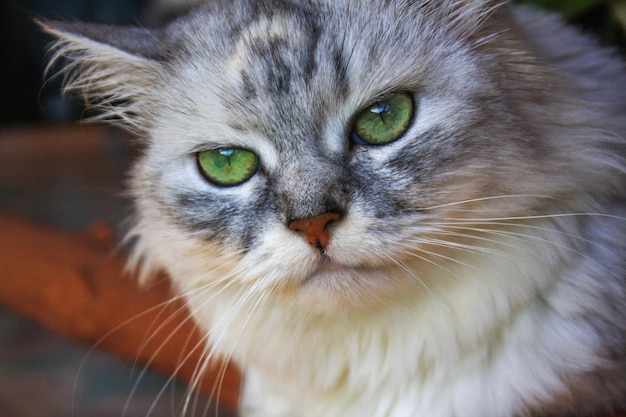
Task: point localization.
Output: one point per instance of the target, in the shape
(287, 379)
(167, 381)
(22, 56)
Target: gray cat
(381, 208)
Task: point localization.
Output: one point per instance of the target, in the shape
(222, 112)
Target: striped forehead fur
(120, 75)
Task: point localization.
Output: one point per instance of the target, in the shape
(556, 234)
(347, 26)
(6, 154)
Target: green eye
(228, 167)
(384, 121)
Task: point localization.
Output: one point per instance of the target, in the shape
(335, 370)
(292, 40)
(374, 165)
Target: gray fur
(519, 132)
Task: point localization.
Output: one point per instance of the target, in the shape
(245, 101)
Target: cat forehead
(280, 42)
(287, 70)
(266, 78)
(285, 63)
(279, 75)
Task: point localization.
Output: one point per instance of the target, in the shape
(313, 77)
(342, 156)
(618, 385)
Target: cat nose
(315, 228)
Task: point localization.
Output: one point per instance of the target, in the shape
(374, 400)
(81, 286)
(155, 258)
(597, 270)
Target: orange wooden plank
(76, 286)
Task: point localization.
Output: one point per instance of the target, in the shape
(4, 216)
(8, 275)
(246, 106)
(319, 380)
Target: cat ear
(115, 69)
(137, 41)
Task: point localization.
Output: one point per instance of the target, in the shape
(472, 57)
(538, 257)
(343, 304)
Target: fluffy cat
(381, 208)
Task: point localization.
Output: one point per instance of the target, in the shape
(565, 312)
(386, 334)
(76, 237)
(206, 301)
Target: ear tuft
(115, 69)
(137, 41)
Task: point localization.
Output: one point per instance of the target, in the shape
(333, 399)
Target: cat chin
(333, 289)
(322, 286)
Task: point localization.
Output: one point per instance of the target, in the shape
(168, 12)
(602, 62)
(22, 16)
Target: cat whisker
(181, 360)
(542, 216)
(182, 295)
(243, 300)
(414, 276)
(196, 378)
(475, 233)
(439, 255)
(159, 307)
(467, 248)
(245, 294)
(455, 204)
(489, 229)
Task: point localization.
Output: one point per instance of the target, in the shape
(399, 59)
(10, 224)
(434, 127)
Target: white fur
(430, 351)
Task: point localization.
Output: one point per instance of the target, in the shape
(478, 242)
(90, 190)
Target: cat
(380, 208)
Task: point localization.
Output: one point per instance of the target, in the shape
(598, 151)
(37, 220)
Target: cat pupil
(227, 153)
(380, 109)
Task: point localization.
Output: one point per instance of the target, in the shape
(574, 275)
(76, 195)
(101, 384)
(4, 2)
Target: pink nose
(315, 228)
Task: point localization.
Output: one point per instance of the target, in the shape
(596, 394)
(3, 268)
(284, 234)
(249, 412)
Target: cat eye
(228, 167)
(384, 121)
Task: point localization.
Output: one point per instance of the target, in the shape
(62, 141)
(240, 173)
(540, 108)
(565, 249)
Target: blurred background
(56, 172)
(53, 171)
(24, 97)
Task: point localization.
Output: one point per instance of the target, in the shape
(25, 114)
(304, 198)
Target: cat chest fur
(463, 344)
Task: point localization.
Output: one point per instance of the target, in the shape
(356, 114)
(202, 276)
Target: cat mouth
(324, 267)
(327, 268)
(326, 264)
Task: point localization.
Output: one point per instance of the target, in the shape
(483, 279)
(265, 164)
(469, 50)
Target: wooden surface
(75, 286)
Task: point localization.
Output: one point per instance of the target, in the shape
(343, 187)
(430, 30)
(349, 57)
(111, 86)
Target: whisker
(243, 300)
(159, 307)
(543, 216)
(455, 204)
(440, 255)
(430, 261)
(170, 336)
(182, 295)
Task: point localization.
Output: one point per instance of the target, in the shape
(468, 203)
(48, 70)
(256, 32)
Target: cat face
(308, 151)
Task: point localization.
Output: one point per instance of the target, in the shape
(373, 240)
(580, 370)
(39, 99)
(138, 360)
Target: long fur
(478, 268)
